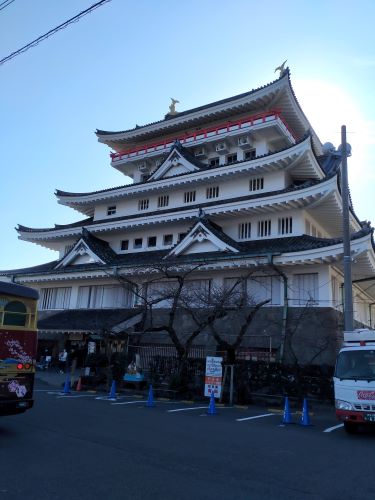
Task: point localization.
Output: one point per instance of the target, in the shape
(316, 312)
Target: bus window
(15, 314)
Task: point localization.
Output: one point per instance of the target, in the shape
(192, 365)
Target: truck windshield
(356, 365)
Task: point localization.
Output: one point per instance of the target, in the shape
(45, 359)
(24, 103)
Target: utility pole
(348, 297)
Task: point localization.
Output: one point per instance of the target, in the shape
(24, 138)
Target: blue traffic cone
(211, 407)
(112, 394)
(305, 417)
(150, 401)
(287, 417)
(67, 384)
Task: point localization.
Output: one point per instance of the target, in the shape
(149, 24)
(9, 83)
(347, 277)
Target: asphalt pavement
(84, 446)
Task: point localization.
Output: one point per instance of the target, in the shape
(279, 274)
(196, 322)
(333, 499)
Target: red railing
(203, 134)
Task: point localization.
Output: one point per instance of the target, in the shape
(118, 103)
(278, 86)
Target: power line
(7, 2)
(53, 31)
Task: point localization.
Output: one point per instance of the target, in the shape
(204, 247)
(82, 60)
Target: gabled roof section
(179, 161)
(205, 236)
(87, 250)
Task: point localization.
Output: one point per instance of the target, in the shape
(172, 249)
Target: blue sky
(119, 66)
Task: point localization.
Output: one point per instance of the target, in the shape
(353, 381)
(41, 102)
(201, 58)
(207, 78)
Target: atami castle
(242, 183)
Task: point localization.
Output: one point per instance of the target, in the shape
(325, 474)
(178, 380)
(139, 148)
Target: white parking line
(131, 402)
(256, 416)
(48, 391)
(330, 429)
(188, 409)
(64, 396)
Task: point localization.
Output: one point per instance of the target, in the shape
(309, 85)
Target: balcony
(211, 134)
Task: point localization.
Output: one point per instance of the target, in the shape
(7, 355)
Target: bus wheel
(350, 427)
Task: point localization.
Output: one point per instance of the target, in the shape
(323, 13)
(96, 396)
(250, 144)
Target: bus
(18, 347)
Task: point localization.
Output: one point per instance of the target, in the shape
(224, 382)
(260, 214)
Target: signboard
(213, 377)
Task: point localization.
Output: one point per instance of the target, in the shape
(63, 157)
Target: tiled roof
(91, 222)
(199, 108)
(246, 249)
(100, 247)
(95, 320)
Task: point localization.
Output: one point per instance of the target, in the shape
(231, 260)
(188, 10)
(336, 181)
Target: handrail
(201, 134)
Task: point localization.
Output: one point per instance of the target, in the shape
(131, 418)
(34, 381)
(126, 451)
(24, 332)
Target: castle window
(143, 204)
(189, 196)
(256, 184)
(111, 210)
(151, 241)
(250, 155)
(181, 236)
(232, 158)
(244, 230)
(285, 225)
(138, 243)
(167, 239)
(306, 289)
(163, 201)
(212, 192)
(214, 162)
(55, 298)
(264, 228)
(124, 244)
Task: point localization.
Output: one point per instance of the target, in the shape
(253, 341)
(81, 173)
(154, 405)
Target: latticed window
(163, 201)
(244, 230)
(264, 228)
(212, 192)
(143, 204)
(256, 184)
(189, 196)
(285, 225)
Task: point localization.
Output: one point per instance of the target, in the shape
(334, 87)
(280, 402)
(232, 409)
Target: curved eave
(362, 251)
(295, 117)
(278, 93)
(329, 210)
(249, 205)
(260, 97)
(298, 159)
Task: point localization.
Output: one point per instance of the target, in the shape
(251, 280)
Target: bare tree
(239, 304)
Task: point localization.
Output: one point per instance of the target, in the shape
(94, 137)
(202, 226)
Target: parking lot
(84, 446)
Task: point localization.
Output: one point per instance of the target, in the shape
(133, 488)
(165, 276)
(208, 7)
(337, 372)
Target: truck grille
(364, 407)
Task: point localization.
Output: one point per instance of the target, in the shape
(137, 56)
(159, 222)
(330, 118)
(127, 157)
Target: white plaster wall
(230, 188)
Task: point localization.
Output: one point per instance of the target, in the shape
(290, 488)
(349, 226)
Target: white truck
(354, 380)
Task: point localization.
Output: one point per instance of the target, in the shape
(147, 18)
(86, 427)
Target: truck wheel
(350, 427)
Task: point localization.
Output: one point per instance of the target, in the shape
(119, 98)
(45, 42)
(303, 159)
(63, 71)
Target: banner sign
(213, 377)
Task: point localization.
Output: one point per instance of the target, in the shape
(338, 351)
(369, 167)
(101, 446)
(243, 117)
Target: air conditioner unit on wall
(221, 148)
(143, 167)
(244, 142)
